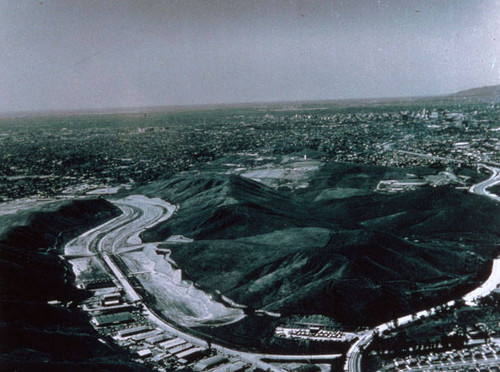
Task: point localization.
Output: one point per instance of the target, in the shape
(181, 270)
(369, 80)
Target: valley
(270, 255)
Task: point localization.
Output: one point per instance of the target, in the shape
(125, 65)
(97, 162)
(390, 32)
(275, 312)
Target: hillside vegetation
(31, 273)
(359, 257)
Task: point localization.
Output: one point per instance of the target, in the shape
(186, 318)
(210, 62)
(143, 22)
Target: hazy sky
(72, 54)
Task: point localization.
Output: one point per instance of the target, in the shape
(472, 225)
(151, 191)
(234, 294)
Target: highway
(353, 357)
(482, 187)
(138, 214)
(354, 354)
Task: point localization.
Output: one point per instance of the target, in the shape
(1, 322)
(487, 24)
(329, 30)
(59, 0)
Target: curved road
(481, 188)
(354, 355)
(140, 213)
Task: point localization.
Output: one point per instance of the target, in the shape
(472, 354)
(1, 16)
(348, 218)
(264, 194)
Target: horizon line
(213, 106)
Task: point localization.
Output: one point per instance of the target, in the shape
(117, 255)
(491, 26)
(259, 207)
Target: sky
(93, 54)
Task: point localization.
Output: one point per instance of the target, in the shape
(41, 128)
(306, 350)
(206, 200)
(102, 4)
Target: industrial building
(206, 364)
(127, 332)
(144, 353)
(142, 336)
(172, 343)
(97, 284)
(108, 308)
(232, 367)
(158, 357)
(190, 354)
(111, 299)
(177, 349)
(110, 319)
(158, 338)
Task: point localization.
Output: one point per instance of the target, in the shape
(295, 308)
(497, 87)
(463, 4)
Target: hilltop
(491, 92)
(215, 206)
(356, 256)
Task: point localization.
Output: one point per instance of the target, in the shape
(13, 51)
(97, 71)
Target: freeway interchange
(121, 234)
(139, 213)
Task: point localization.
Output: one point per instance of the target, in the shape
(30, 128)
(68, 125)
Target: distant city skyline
(91, 55)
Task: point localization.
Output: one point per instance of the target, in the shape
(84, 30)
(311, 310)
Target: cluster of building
(312, 332)
(412, 182)
(44, 156)
(473, 332)
(393, 186)
(456, 338)
(115, 318)
(481, 358)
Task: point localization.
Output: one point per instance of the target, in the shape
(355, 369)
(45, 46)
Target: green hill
(217, 206)
(360, 259)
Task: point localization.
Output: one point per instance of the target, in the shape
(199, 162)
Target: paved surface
(494, 278)
(481, 188)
